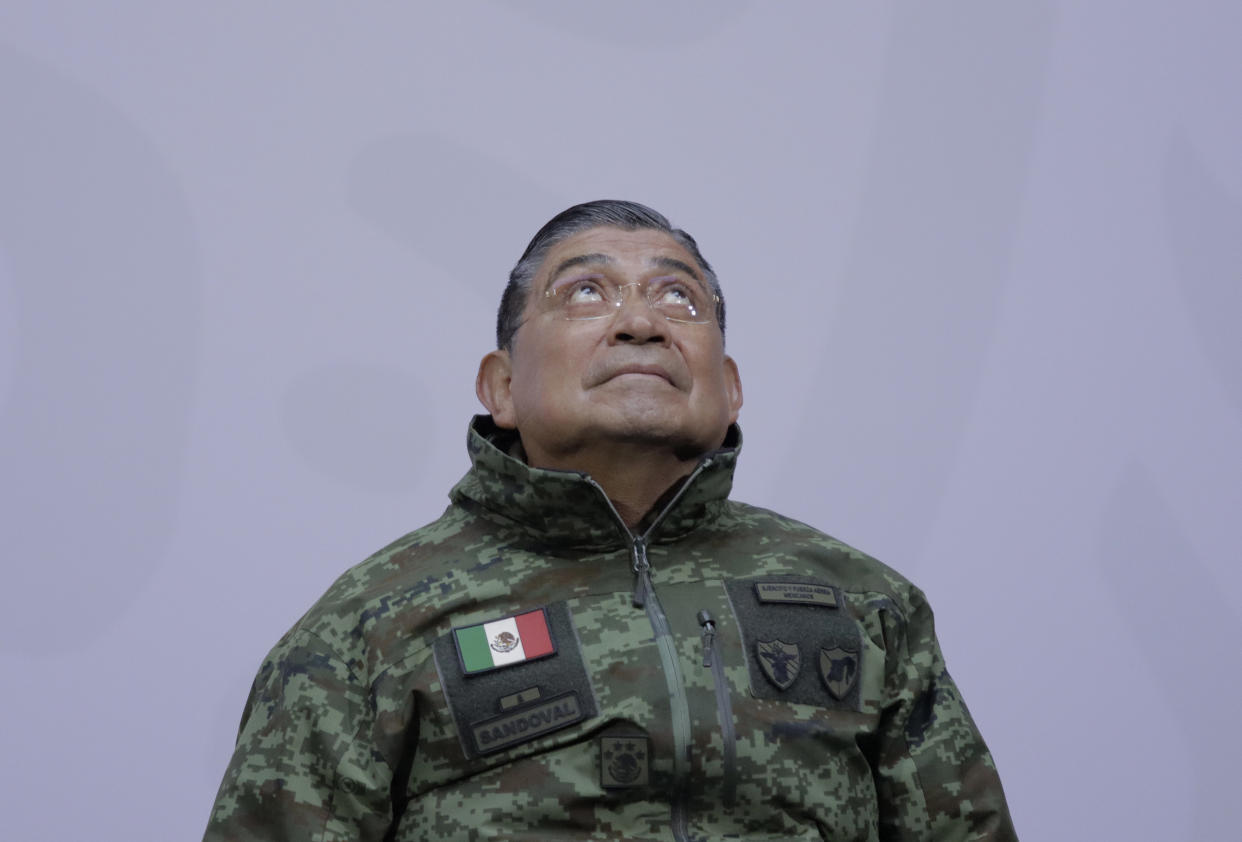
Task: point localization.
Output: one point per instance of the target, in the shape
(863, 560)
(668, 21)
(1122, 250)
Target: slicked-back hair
(615, 213)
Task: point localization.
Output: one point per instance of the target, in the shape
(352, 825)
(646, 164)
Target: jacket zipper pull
(642, 572)
(724, 706)
(709, 636)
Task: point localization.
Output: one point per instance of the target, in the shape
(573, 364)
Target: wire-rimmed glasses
(596, 297)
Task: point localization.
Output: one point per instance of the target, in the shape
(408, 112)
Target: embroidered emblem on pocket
(779, 661)
(839, 669)
(623, 761)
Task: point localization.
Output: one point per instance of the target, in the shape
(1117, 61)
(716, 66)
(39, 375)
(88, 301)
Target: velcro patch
(624, 761)
(781, 662)
(530, 694)
(839, 669)
(504, 642)
(796, 593)
(526, 724)
(502, 707)
(800, 647)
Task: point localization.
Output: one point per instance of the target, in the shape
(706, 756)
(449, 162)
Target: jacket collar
(568, 508)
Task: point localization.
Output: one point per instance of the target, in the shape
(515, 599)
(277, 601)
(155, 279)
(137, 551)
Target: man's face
(631, 378)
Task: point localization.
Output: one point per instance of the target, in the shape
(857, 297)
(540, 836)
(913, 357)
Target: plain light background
(982, 265)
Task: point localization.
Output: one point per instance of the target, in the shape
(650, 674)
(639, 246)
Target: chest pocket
(801, 645)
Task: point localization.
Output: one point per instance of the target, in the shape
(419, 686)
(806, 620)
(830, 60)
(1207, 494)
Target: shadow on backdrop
(1184, 629)
(94, 428)
(448, 202)
(1205, 230)
(929, 259)
(364, 425)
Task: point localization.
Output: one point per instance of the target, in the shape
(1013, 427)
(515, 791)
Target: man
(593, 642)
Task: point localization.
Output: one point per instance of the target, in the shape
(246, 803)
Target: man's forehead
(607, 246)
(653, 261)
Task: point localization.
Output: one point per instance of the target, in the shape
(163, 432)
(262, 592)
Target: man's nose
(636, 320)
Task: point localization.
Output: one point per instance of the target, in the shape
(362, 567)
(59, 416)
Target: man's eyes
(661, 292)
(674, 292)
(583, 290)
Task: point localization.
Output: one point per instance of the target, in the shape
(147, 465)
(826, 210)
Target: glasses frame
(550, 296)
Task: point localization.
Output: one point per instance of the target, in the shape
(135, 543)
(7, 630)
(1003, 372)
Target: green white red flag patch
(504, 642)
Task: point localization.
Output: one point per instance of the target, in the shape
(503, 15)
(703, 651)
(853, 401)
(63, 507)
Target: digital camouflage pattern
(773, 684)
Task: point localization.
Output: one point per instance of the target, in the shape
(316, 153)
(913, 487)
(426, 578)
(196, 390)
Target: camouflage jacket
(527, 668)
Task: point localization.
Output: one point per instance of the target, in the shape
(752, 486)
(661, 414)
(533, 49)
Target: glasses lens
(594, 297)
(582, 298)
(680, 301)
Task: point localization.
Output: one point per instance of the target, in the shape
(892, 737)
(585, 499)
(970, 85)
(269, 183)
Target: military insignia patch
(526, 723)
(515, 680)
(522, 697)
(779, 661)
(504, 642)
(839, 669)
(796, 593)
(623, 761)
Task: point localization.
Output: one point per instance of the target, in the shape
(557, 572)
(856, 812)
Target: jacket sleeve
(935, 779)
(304, 769)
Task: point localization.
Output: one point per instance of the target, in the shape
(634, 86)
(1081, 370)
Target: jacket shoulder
(772, 538)
(396, 592)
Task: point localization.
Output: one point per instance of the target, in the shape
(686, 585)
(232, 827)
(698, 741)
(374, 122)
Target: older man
(593, 642)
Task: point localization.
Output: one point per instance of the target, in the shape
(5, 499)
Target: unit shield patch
(780, 661)
(839, 669)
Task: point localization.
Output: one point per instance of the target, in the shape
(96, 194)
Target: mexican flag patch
(504, 642)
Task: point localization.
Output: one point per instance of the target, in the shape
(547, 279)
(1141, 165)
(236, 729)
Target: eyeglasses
(596, 297)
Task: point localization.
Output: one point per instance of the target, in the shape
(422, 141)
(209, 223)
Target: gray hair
(615, 213)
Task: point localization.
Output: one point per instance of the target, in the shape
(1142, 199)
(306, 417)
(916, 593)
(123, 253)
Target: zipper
(643, 587)
(642, 572)
(679, 705)
(724, 708)
(680, 817)
(645, 597)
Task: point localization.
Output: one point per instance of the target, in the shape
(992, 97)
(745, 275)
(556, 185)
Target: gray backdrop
(982, 262)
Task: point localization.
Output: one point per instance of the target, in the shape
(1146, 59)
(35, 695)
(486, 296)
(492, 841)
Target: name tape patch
(796, 593)
(526, 724)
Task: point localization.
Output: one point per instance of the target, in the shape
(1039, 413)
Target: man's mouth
(642, 371)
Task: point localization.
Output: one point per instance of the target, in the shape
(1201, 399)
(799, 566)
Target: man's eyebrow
(676, 265)
(580, 260)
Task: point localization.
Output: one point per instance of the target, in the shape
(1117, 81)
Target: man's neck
(633, 478)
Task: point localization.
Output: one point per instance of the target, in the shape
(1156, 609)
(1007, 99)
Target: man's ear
(733, 387)
(493, 388)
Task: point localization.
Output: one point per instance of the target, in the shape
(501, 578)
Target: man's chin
(657, 435)
(637, 426)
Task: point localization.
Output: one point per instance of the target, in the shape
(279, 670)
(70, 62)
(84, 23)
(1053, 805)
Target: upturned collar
(568, 508)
